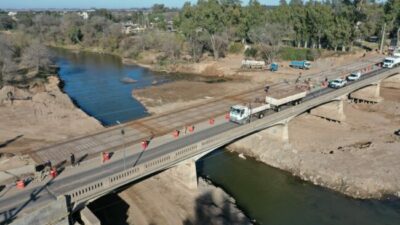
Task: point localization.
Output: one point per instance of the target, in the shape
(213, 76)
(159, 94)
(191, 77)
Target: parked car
(337, 83)
(354, 76)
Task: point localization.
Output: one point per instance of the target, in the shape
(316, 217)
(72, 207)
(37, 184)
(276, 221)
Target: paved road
(33, 196)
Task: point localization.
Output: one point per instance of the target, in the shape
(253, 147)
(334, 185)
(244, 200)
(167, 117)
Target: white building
(84, 15)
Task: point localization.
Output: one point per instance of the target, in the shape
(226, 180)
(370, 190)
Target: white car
(354, 76)
(338, 83)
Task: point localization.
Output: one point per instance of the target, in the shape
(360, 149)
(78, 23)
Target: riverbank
(228, 66)
(40, 116)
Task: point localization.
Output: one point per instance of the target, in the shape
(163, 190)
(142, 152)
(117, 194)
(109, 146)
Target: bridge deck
(110, 139)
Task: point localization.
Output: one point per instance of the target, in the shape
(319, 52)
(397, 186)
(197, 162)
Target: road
(36, 195)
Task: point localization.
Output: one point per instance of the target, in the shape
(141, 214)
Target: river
(266, 194)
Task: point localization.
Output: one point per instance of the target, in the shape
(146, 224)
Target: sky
(24, 4)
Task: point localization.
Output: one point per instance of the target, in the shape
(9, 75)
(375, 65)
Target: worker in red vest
(53, 172)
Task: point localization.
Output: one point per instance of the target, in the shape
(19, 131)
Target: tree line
(217, 27)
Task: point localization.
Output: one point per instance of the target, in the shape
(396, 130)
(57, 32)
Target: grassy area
(290, 53)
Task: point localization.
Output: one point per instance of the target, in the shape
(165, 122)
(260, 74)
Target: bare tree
(221, 42)
(171, 45)
(36, 56)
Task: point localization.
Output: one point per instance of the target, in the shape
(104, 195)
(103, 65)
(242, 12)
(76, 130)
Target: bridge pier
(369, 94)
(88, 217)
(279, 131)
(332, 111)
(185, 173)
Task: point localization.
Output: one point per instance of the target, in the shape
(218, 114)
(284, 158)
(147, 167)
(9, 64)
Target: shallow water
(268, 195)
(93, 81)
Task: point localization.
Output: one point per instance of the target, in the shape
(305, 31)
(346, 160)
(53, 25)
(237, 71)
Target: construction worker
(53, 172)
(72, 157)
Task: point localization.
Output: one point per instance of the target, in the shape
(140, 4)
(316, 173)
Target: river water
(267, 195)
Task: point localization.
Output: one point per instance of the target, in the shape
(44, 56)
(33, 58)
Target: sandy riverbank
(47, 116)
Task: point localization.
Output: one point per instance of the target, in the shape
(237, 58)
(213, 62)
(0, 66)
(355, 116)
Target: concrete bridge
(53, 202)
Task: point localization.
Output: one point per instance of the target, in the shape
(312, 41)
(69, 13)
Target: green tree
(75, 35)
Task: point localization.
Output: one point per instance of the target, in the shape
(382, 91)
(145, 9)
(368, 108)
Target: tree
(75, 35)
(210, 18)
(296, 2)
(269, 39)
(282, 3)
(6, 22)
(36, 56)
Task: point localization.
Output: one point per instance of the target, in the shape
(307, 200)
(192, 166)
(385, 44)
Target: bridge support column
(330, 111)
(89, 218)
(186, 173)
(279, 131)
(369, 94)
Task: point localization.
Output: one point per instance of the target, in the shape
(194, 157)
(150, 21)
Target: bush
(289, 53)
(250, 53)
(235, 48)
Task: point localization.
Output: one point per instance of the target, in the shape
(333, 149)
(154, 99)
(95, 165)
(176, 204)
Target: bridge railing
(103, 186)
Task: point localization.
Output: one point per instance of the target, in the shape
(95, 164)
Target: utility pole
(398, 37)
(123, 141)
(382, 38)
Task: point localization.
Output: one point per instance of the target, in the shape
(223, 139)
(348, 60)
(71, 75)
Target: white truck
(391, 62)
(243, 113)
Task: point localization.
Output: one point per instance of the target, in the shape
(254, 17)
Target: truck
(300, 64)
(279, 98)
(242, 114)
(391, 62)
(253, 64)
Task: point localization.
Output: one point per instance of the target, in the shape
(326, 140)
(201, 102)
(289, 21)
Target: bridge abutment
(369, 94)
(331, 111)
(186, 173)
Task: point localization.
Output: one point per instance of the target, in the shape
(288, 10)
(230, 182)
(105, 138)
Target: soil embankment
(40, 116)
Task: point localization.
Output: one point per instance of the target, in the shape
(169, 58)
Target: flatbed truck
(242, 114)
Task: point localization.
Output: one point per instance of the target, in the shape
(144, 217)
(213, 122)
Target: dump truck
(242, 114)
(300, 64)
